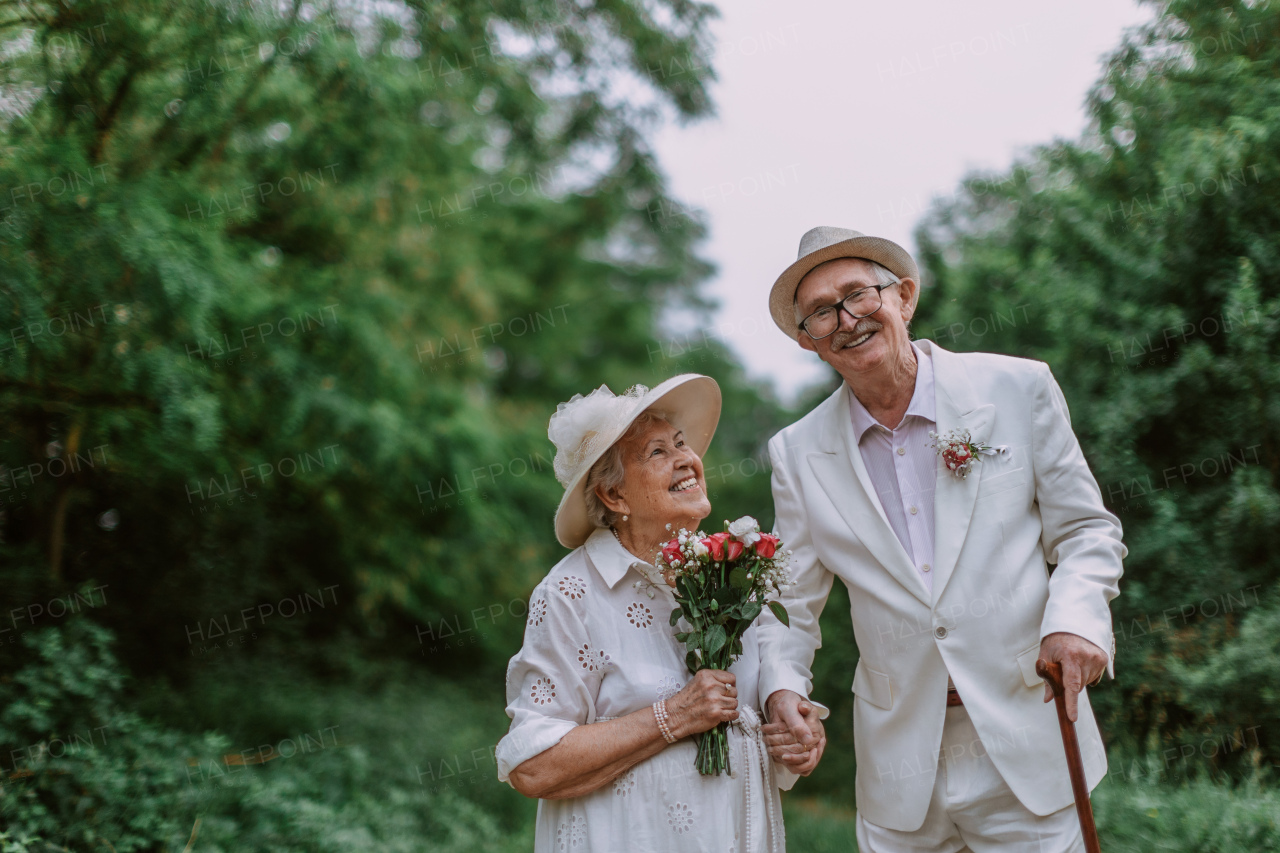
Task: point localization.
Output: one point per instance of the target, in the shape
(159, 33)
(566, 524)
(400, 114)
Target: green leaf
(691, 661)
(675, 616)
(780, 612)
(738, 578)
(716, 638)
(682, 636)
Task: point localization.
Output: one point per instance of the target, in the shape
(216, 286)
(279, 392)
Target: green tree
(291, 294)
(292, 291)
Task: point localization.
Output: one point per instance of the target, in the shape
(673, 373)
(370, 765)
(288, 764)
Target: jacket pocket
(872, 686)
(1027, 663)
(1002, 484)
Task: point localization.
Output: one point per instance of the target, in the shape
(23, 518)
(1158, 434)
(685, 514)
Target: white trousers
(972, 809)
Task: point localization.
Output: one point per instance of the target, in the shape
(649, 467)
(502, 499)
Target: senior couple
(953, 598)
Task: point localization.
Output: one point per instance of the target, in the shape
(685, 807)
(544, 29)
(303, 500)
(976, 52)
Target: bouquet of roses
(721, 584)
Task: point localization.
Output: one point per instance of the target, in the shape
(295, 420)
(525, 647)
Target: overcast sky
(856, 114)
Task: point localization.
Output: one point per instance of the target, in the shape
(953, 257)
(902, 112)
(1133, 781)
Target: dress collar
(611, 560)
(922, 403)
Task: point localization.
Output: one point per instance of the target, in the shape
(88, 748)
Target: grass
(817, 825)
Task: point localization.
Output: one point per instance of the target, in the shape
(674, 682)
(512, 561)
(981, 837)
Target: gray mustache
(866, 324)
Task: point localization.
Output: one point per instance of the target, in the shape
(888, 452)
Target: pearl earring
(626, 517)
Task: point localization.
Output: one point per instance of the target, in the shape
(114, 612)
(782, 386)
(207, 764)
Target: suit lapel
(957, 409)
(839, 469)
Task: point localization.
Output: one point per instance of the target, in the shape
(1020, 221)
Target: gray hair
(607, 471)
(882, 274)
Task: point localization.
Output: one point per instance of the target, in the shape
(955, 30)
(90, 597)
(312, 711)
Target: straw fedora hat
(585, 427)
(826, 243)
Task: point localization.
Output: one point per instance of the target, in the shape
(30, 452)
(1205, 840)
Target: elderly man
(962, 569)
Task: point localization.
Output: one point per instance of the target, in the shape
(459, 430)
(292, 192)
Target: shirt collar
(922, 403)
(611, 560)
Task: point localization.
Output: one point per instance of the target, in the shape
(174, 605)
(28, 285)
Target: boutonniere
(959, 452)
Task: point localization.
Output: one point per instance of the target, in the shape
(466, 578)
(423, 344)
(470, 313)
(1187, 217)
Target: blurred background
(292, 288)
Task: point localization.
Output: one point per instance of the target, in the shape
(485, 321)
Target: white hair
(607, 471)
(882, 274)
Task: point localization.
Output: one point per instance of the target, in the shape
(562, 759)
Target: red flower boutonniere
(959, 452)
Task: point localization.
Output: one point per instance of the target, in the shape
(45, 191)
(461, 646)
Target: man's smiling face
(857, 346)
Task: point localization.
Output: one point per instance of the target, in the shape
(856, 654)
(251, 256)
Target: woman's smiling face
(662, 479)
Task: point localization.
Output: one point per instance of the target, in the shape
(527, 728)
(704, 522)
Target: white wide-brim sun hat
(585, 427)
(827, 243)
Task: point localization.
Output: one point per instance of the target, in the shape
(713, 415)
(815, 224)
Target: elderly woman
(601, 703)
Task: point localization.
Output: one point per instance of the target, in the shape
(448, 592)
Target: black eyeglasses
(861, 303)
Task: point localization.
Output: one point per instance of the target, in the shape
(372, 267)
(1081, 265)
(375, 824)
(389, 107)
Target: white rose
(699, 550)
(743, 527)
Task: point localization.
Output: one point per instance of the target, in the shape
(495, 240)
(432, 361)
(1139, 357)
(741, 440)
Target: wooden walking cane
(1051, 671)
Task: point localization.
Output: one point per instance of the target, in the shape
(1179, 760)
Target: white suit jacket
(993, 596)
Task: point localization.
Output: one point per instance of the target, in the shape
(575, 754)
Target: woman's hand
(710, 698)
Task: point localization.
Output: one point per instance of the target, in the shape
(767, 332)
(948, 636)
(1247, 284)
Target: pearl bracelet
(660, 714)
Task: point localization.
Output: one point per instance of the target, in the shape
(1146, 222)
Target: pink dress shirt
(902, 465)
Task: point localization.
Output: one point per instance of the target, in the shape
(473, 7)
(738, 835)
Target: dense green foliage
(349, 773)
(293, 291)
(293, 294)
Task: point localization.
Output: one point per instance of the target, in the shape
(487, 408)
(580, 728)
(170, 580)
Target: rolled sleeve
(547, 694)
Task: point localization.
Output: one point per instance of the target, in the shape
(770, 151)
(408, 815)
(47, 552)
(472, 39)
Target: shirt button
(914, 510)
(926, 567)
(940, 632)
(901, 451)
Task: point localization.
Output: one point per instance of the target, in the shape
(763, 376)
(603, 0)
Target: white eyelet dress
(596, 647)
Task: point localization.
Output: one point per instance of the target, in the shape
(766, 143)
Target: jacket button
(940, 632)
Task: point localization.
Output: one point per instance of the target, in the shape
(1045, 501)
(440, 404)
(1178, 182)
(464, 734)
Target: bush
(81, 769)
(1201, 816)
(371, 778)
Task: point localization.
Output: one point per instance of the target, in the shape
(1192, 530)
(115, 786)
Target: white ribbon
(759, 769)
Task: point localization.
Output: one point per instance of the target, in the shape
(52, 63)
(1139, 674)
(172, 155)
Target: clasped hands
(795, 737)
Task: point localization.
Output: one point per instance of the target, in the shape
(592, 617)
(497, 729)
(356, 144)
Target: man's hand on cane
(796, 737)
(1082, 662)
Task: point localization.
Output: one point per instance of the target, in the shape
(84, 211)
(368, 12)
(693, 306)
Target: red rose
(767, 545)
(715, 544)
(671, 551)
(734, 549)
